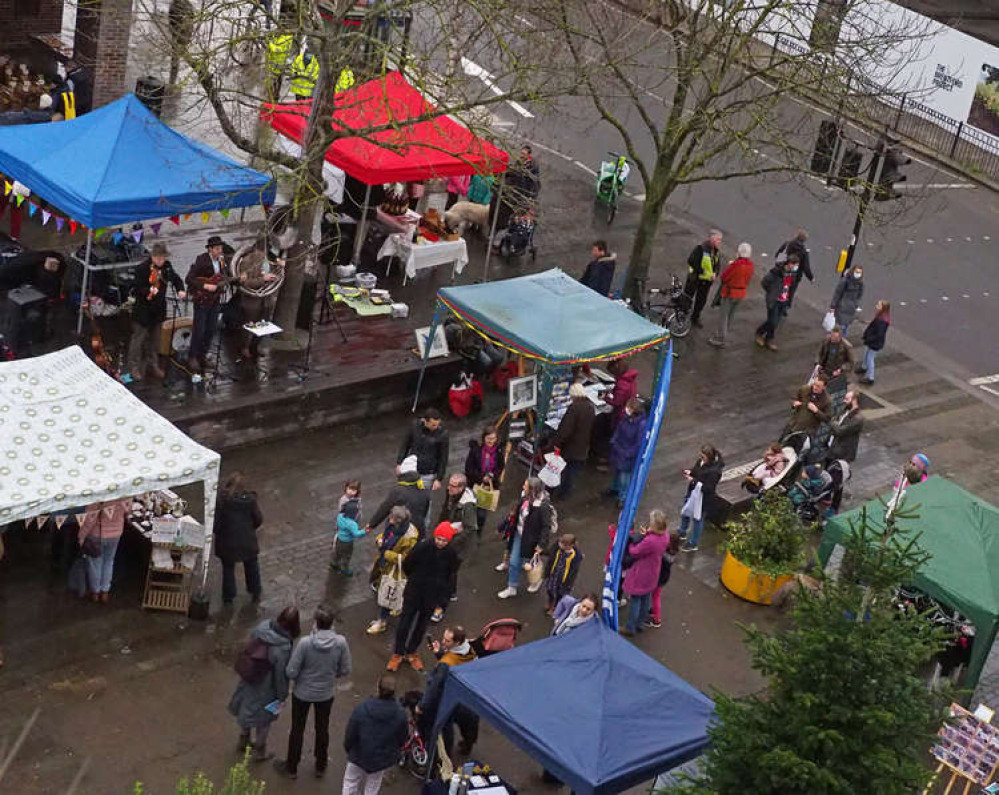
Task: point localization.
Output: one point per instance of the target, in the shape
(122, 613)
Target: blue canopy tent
(556, 321)
(589, 706)
(120, 164)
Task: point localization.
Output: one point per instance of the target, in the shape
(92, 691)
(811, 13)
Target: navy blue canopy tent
(120, 164)
(589, 706)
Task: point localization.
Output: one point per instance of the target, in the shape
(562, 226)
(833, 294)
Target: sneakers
(453, 598)
(437, 616)
(507, 592)
(761, 341)
(394, 662)
(771, 346)
(414, 662)
(653, 624)
(503, 566)
(860, 368)
(535, 586)
(376, 627)
(688, 547)
(281, 766)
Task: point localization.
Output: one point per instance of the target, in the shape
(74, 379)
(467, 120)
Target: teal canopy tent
(961, 533)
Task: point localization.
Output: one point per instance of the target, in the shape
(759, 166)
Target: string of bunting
(60, 519)
(135, 232)
(495, 337)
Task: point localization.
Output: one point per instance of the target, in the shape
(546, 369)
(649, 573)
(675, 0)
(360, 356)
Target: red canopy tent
(407, 151)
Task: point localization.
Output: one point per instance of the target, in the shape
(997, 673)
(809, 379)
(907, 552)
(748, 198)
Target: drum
(175, 337)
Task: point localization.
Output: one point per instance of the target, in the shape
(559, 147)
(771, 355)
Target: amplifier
(23, 318)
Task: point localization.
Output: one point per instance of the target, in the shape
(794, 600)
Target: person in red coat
(734, 280)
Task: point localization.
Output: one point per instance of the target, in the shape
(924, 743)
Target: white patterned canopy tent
(71, 435)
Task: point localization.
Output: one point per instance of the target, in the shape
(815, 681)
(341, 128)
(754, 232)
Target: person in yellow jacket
(304, 73)
(345, 80)
(278, 49)
(702, 268)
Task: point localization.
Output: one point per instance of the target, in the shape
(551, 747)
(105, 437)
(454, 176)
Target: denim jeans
(251, 573)
(869, 356)
(513, 573)
(621, 481)
(696, 527)
(638, 610)
(101, 569)
(769, 326)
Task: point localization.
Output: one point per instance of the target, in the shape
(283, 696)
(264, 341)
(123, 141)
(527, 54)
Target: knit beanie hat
(444, 530)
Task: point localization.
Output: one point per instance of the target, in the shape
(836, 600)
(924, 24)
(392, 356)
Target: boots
(244, 740)
(260, 753)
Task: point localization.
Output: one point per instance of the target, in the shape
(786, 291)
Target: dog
(465, 214)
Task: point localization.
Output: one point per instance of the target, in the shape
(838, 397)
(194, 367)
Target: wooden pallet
(168, 590)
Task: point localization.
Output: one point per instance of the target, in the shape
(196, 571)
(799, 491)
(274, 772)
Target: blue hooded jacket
(627, 441)
(347, 529)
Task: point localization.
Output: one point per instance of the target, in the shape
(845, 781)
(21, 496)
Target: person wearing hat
(205, 281)
(428, 569)
(152, 279)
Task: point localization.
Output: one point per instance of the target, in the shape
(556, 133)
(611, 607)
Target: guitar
(203, 297)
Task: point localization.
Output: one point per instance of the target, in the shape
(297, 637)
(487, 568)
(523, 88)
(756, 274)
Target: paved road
(933, 254)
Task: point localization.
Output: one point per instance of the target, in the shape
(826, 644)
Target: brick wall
(20, 19)
(101, 44)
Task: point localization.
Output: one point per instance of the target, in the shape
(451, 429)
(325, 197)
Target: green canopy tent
(961, 532)
(551, 318)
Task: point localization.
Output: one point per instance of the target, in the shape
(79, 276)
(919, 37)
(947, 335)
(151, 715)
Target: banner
(612, 577)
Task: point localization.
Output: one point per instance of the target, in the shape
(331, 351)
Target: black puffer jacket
(429, 447)
(428, 571)
(237, 518)
(375, 734)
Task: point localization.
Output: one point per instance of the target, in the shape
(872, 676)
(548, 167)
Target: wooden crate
(168, 590)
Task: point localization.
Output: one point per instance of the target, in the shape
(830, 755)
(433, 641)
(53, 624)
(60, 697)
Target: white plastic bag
(551, 473)
(829, 321)
(694, 504)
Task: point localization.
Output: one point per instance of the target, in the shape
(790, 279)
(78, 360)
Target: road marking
(913, 242)
(527, 22)
(585, 167)
(965, 295)
(929, 240)
(944, 298)
(986, 237)
(551, 151)
(935, 185)
(985, 379)
(472, 69)
(902, 303)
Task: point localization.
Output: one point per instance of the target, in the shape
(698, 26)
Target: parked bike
(671, 308)
(611, 181)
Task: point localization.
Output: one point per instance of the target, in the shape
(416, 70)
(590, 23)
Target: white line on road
(472, 69)
(935, 185)
(991, 391)
(985, 379)
(524, 21)
(585, 167)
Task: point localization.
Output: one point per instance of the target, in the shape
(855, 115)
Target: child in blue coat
(625, 446)
(348, 528)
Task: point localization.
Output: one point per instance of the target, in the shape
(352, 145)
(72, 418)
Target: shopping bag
(694, 504)
(829, 321)
(391, 588)
(536, 571)
(486, 498)
(551, 473)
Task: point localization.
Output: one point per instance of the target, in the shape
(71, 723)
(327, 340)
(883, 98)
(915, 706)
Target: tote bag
(391, 588)
(485, 498)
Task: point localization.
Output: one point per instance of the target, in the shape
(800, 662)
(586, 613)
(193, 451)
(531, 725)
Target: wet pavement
(142, 696)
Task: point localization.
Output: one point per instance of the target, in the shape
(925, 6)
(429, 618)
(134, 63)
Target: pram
(518, 237)
(761, 486)
(496, 636)
(812, 497)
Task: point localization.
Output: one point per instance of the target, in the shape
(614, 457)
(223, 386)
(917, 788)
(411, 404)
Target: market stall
(72, 436)
(961, 533)
(120, 164)
(398, 138)
(590, 707)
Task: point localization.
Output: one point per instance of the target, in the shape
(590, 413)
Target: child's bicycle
(611, 181)
(415, 755)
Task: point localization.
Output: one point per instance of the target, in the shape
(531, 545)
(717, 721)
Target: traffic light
(849, 167)
(891, 174)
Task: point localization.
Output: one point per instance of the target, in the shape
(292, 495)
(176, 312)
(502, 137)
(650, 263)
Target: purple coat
(626, 442)
(642, 576)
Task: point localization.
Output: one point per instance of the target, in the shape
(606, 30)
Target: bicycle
(674, 313)
(611, 181)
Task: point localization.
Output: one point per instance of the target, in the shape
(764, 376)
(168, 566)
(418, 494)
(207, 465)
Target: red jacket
(735, 278)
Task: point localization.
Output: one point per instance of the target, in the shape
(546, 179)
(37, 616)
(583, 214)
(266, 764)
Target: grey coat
(317, 662)
(846, 299)
(248, 702)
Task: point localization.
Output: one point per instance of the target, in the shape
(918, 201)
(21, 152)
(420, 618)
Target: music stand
(217, 371)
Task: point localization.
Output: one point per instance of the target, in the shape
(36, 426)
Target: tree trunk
(659, 189)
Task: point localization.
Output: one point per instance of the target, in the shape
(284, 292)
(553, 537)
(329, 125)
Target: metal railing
(975, 150)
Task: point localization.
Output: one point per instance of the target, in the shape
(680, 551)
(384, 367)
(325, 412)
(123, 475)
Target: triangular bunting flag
(7, 187)
(32, 209)
(156, 227)
(42, 520)
(117, 237)
(187, 216)
(205, 217)
(59, 222)
(175, 219)
(224, 213)
(72, 227)
(28, 522)
(137, 235)
(109, 512)
(19, 199)
(80, 517)
(45, 217)
(60, 521)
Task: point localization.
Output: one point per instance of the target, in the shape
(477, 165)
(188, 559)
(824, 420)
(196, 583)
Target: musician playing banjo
(206, 281)
(152, 278)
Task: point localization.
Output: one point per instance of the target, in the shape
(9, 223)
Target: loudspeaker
(24, 318)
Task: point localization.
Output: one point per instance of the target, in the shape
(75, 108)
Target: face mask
(794, 269)
(857, 275)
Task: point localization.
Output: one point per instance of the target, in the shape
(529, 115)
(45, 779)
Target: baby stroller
(518, 237)
(812, 494)
(759, 486)
(807, 447)
(415, 754)
(496, 636)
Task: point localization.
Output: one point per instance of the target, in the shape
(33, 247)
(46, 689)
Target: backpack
(253, 663)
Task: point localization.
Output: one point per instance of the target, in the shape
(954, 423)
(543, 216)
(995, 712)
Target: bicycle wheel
(611, 209)
(678, 324)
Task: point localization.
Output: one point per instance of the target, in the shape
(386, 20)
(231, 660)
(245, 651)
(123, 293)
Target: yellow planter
(747, 584)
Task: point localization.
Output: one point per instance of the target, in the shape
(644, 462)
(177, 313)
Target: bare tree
(708, 80)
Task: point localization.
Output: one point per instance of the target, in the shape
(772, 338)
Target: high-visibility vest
(345, 80)
(304, 75)
(278, 49)
(69, 105)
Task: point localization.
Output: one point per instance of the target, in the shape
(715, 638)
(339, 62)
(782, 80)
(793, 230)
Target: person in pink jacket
(457, 189)
(104, 522)
(642, 577)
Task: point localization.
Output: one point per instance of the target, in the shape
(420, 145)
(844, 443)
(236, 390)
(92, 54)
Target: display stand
(968, 748)
(168, 590)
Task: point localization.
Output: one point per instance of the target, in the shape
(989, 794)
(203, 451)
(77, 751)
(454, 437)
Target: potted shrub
(763, 549)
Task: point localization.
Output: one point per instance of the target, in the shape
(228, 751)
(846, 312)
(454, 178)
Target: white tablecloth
(425, 255)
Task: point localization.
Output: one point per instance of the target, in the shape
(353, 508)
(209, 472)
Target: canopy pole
(84, 284)
(361, 227)
(545, 389)
(492, 231)
(426, 353)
